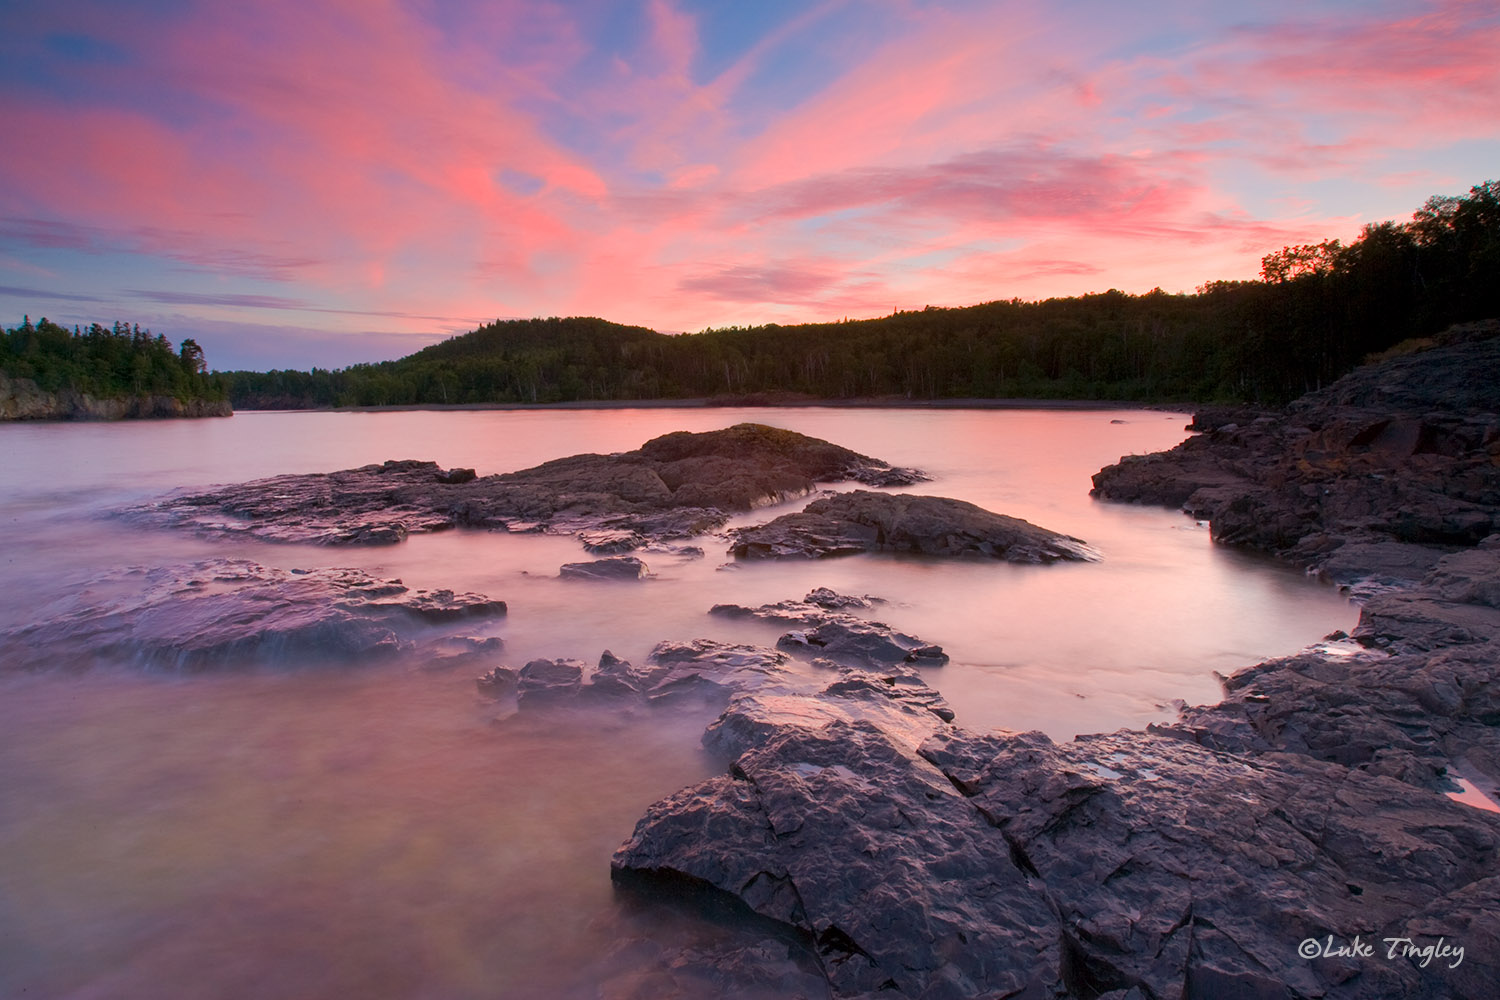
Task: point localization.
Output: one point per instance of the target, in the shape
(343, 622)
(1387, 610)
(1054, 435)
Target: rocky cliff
(22, 399)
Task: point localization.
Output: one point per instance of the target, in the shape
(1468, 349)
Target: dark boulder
(613, 568)
(867, 851)
(863, 521)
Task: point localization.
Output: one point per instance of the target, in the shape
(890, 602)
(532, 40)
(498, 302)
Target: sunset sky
(323, 182)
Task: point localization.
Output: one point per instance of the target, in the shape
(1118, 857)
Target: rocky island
(674, 486)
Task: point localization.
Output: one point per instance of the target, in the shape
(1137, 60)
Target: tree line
(108, 362)
(1317, 311)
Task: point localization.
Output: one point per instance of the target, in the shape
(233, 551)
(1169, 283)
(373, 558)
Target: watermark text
(1421, 952)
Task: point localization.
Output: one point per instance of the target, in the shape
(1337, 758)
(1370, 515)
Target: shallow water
(382, 831)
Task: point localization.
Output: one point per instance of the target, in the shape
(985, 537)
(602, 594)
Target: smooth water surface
(385, 832)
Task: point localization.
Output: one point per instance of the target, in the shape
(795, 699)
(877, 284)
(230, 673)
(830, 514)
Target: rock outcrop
(1415, 695)
(1400, 459)
(864, 521)
(232, 612)
(674, 486)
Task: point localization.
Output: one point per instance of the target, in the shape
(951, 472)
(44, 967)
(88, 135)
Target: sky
(299, 183)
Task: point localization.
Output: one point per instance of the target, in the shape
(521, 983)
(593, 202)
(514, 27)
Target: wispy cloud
(51, 296)
(239, 301)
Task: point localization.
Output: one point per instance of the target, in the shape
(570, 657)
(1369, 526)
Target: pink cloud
(1032, 182)
(1448, 51)
(336, 137)
(798, 283)
(1365, 84)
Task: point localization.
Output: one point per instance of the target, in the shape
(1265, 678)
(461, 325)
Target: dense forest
(1317, 311)
(108, 362)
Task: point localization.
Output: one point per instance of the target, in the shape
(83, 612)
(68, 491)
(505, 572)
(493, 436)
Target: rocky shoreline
(1292, 841)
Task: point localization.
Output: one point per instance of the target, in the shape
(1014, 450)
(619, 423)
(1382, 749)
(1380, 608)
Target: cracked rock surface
(1005, 864)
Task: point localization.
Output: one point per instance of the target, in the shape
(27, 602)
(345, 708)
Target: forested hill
(50, 372)
(1317, 312)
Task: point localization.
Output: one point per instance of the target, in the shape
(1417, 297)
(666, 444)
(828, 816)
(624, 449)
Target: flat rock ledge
(223, 613)
(674, 486)
(864, 521)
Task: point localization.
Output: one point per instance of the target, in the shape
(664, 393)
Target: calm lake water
(382, 831)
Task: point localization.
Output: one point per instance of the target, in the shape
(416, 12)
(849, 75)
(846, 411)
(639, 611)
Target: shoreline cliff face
(21, 399)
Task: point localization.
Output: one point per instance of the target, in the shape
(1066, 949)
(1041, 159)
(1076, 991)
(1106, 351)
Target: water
(383, 831)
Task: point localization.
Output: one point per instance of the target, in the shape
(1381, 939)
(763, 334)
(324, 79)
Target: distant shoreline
(693, 404)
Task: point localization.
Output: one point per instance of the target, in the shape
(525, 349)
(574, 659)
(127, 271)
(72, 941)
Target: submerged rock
(706, 670)
(548, 682)
(227, 612)
(831, 632)
(699, 672)
(862, 521)
(810, 610)
(673, 486)
(497, 683)
(899, 702)
(451, 651)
